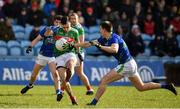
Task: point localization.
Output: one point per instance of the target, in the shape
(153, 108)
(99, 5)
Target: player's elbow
(114, 50)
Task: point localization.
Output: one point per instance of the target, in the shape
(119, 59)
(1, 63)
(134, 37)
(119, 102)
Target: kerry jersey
(123, 54)
(81, 32)
(48, 42)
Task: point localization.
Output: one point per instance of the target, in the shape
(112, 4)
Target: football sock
(88, 87)
(62, 88)
(164, 86)
(58, 91)
(71, 97)
(30, 84)
(94, 101)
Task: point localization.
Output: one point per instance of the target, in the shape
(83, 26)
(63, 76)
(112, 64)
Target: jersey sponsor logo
(146, 73)
(20, 74)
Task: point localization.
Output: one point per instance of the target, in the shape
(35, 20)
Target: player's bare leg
(83, 77)
(108, 78)
(37, 68)
(70, 71)
(65, 83)
(52, 67)
(69, 91)
(138, 83)
(62, 75)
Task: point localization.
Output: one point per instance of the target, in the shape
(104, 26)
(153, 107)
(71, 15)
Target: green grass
(114, 97)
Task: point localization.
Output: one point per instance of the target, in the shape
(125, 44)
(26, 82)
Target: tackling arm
(36, 40)
(84, 44)
(110, 49)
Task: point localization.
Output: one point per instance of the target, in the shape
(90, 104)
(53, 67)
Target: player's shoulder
(74, 30)
(78, 27)
(53, 27)
(116, 36)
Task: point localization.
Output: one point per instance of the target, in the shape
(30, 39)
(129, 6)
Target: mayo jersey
(80, 30)
(73, 33)
(123, 54)
(48, 42)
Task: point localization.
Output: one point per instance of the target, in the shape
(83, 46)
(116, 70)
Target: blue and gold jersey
(48, 42)
(123, 54)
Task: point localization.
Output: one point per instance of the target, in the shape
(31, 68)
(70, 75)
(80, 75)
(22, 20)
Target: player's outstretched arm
(85, 44)
(110, 49)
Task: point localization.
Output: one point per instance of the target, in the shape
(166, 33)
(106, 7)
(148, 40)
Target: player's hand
(80, 57)
(29, 49)
(94, 43)
(69, 46)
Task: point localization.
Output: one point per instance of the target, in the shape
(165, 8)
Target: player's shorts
(78, 60)
(43, 60)
(63, 59)
(128, 69)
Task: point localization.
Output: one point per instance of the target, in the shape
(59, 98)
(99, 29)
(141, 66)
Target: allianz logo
(146, 73)
(21, 75)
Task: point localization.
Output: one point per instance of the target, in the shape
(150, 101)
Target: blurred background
(151, 29)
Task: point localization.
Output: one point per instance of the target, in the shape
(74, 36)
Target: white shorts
(78, 60)
(63, 59)
(128, 69)
(43, 60)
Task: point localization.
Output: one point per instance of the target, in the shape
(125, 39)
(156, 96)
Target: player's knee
(103, 82)
(54, 75)
(63, 80)
(79, 73)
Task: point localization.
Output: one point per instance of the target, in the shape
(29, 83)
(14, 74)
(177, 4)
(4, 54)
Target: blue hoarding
(19, 72)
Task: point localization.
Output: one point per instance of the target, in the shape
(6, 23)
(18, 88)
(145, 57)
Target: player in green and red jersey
(79, 69)
(66, 60)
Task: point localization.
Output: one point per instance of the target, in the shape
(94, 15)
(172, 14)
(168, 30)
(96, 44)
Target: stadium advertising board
(19, 72)
(147, 70)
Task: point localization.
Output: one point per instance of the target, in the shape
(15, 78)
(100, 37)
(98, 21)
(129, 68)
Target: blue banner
(19, 72)
(95, 70)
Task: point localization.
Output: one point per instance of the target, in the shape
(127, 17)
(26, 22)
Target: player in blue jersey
(113, 44)
(45, 56)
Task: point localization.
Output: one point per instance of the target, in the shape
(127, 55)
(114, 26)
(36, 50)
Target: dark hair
(107, 26)
(73, 14)
(58, 17)
(64, 20)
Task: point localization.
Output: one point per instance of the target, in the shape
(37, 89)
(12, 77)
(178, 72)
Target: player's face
(101, 31)
(57, 23)
(66, 27)
(73, 20)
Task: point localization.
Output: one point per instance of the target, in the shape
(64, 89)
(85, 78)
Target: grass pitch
(114, 97)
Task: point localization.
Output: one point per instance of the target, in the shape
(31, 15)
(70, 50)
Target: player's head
(105, 28)
(57, 20)
(66, 25)
(73, 18)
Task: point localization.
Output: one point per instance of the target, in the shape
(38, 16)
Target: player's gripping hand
(29, 49)
(94, 43)
(68, 46)
(80, 57)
